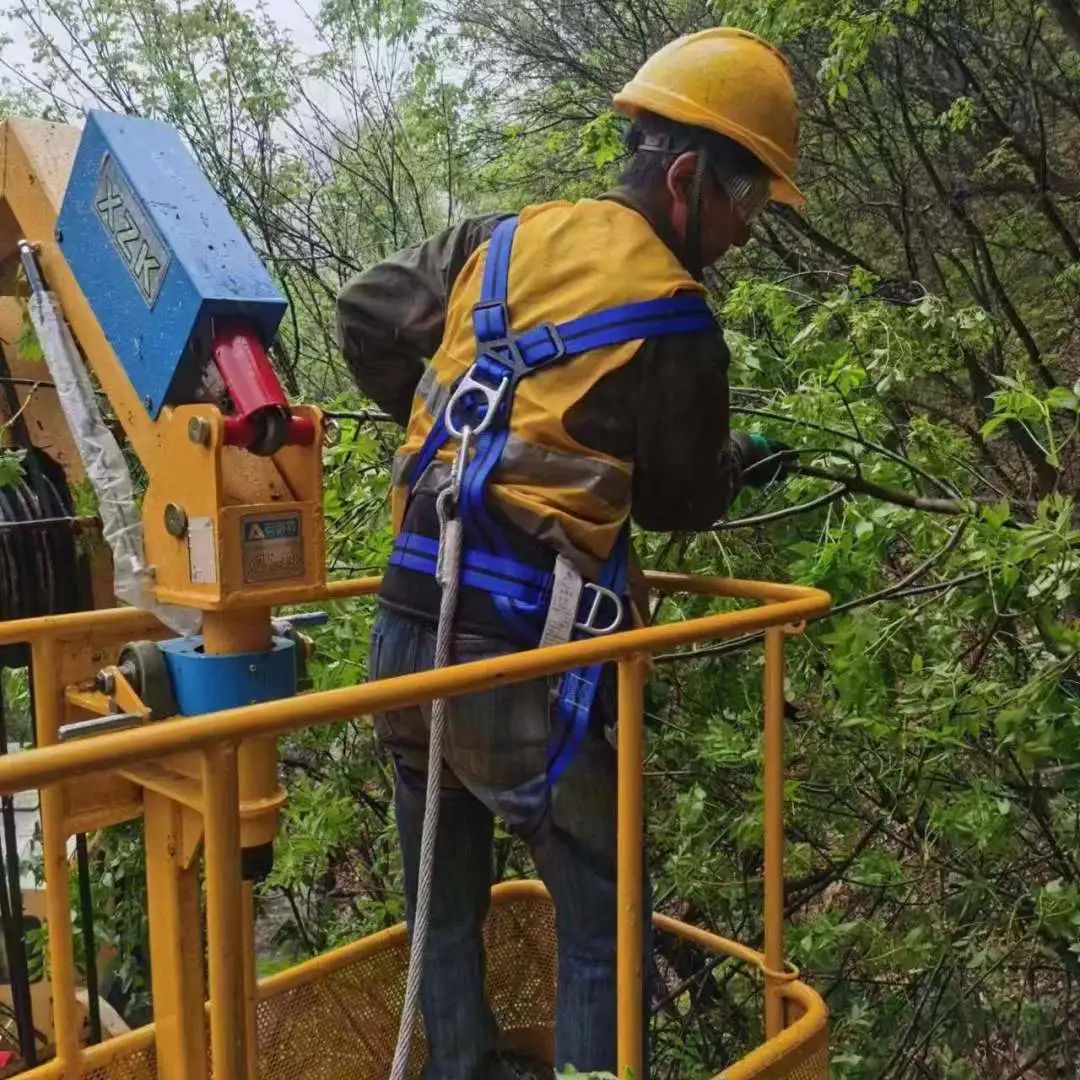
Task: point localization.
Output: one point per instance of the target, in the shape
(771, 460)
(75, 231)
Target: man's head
(708, 187)
(713, 139)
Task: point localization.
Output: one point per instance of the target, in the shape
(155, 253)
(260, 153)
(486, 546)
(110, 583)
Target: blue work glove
(764, 460)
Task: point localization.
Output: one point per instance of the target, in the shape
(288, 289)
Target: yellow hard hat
(731, 82)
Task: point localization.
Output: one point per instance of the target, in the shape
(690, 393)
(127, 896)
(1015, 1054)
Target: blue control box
(157, 254)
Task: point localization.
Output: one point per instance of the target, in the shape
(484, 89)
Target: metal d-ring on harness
(539, 606)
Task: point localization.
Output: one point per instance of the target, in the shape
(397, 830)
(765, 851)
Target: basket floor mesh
(342, 1023)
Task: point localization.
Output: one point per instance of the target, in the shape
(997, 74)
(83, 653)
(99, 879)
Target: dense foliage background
(915, 334)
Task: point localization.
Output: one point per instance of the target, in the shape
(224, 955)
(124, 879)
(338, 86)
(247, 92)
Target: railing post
(224, 923)
(254, 780)
(176, 955)
(49, 715)
(251, 981)
(630, 879)
(774, 830)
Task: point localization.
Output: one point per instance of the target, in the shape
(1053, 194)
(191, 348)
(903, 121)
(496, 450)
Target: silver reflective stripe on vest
(427, 381)
(400, 468)
(434, 394)
(431, 482)
(541, 466)
(527, 463)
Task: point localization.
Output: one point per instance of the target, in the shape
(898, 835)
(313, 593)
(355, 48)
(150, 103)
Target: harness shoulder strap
(490, 323)
(503, 353)
(485, 394)
(683, 313)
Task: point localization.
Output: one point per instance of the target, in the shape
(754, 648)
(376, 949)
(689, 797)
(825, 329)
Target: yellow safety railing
(794, 1049)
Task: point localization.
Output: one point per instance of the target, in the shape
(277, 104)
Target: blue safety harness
(479, 411)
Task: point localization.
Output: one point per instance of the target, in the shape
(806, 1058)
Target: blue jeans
(495, 762)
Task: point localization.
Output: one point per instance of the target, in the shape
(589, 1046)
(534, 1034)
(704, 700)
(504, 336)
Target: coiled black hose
(40, 572)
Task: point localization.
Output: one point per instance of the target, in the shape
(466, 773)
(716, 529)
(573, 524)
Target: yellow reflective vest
(568, 260)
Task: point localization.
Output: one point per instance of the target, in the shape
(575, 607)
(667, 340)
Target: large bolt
(105, 682)
(175, 520)
(198, 430)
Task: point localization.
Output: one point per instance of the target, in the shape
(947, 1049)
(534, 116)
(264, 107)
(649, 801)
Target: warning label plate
(272, 546)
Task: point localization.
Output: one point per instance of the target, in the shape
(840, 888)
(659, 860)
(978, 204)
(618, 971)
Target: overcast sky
(294, 15)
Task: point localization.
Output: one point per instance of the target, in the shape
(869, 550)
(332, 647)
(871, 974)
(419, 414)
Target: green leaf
(27, 344)
(11, 466)
(1060, 398)
(996, 514)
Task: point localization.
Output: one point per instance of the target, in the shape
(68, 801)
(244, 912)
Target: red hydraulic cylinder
(261, 420)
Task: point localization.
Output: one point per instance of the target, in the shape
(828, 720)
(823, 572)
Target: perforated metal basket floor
(335, 1017)
(342, 1022)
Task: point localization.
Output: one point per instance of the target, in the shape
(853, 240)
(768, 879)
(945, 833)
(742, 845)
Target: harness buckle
(492, 396)
(558, 346)
(588, 625)
(491, 321)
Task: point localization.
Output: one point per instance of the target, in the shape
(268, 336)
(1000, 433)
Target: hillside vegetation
(914, 335)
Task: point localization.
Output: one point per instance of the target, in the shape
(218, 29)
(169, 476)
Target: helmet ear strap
(692, 243)
(670, 145)
(660, 143)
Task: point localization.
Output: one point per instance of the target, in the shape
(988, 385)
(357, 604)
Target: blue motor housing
(157, 254)
(204, 683)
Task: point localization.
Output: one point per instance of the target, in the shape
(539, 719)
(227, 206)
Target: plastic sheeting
(133, 580)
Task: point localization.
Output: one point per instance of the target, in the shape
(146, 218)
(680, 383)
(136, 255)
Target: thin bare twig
(837, 492)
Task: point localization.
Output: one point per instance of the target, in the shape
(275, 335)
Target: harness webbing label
(562, 610)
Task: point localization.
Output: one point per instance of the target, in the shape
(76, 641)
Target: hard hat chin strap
(748, 189)
(692, 243)
(671, 146)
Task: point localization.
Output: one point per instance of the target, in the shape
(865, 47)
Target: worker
(574, 343)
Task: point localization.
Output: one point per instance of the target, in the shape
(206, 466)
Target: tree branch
(859, 485)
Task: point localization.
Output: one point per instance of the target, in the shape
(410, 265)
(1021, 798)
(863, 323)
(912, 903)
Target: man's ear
(680, 175)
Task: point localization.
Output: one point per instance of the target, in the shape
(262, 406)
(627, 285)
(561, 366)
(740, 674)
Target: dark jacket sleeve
(390, 317)
(667, 412)
(686, 466)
